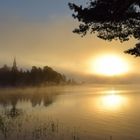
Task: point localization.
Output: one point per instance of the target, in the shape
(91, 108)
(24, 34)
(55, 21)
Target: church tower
(14, 67)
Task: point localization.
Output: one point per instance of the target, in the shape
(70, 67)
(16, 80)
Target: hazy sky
(39, 32)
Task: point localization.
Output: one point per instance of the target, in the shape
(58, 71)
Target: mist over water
(83, 112)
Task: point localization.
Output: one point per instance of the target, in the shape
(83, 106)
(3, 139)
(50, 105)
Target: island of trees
(12, 76)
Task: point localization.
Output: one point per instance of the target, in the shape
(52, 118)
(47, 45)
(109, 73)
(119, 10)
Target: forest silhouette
(12, 76)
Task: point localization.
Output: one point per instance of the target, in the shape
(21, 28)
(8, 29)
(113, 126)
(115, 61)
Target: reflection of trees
(11, 117)
(13, 112)
(35, 99)
(38, 99)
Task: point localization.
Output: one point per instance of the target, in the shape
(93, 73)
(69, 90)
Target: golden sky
(51, 42)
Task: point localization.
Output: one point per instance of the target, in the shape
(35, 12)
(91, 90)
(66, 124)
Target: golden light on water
(112, 100)
(109, 65)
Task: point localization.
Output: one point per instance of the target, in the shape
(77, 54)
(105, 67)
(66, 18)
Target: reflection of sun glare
(109, 65)
(112, 100)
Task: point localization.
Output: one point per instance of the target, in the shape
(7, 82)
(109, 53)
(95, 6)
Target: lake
(81, 112)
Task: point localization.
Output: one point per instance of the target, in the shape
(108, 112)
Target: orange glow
(109, 65)
(112, 101)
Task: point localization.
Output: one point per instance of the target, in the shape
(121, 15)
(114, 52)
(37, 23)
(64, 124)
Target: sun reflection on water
(112, 100)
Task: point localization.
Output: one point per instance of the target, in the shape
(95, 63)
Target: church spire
(14, 68)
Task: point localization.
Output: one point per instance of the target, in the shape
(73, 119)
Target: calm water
(93, 112)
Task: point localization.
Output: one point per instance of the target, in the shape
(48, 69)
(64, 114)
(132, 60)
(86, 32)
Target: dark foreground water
(93, 112)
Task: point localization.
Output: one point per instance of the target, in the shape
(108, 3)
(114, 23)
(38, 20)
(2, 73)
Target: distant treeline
(36, 76)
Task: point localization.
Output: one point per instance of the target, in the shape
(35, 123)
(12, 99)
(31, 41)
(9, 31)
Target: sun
(109, 65)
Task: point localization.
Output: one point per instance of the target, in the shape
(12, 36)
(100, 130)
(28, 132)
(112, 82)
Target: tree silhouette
(110, 19)
(34, 77)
